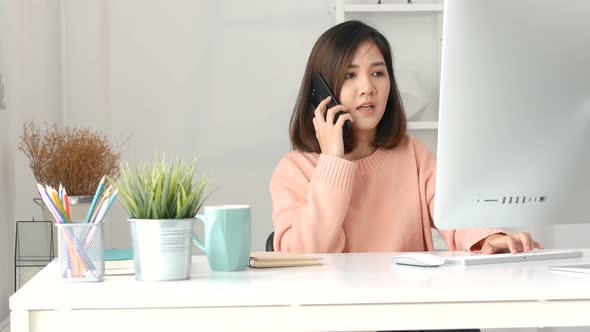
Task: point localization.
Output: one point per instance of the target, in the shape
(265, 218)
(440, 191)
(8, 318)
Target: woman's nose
(367, 87)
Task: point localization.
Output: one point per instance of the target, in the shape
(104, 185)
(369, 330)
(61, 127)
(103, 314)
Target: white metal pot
(162, 248)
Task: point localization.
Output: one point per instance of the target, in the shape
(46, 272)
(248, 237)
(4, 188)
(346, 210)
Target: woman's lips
(366, 108)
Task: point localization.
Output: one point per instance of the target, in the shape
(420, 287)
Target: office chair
(269, 242)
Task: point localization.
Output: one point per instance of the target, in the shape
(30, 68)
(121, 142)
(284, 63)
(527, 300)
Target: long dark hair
(331, 55)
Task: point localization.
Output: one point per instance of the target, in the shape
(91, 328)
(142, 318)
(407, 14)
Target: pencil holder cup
(81, 251)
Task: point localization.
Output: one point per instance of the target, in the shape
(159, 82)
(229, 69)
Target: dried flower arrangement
(75, 157)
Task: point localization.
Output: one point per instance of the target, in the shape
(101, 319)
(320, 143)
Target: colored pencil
(67, 203)
(102, 201)
(96, 196)
(50, 205)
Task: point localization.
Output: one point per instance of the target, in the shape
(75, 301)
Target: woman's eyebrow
(374, 64)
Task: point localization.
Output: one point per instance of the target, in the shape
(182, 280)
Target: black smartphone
(320, 91)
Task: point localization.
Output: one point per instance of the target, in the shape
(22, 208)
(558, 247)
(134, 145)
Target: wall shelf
(393, 8)
(422, 125)
(415, 32)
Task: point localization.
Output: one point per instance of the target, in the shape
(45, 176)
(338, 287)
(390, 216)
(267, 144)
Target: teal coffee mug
(227, 237)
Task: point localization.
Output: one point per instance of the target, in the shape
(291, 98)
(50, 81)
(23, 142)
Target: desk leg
(19, 321)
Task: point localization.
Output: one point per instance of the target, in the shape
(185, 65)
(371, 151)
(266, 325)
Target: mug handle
(195, 238)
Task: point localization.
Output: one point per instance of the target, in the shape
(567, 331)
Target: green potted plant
(162, 201)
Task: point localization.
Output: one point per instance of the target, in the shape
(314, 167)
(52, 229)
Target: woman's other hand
(513, 243)
(328, 133)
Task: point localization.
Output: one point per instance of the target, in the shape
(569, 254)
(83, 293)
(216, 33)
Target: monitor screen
(514, 118)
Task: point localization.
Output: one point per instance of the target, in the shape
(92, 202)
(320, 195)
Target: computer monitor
(514, 118)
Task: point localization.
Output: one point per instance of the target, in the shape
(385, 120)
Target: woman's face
(366, 87)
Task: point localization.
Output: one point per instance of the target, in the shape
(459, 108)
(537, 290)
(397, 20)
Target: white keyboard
(537, 255)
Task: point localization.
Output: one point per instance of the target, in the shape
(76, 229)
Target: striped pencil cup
(81, 251)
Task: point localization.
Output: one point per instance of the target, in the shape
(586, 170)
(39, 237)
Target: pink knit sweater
(383, 202)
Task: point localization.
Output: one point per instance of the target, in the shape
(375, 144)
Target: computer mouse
(419, 259)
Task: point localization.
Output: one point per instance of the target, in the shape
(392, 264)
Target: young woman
(373, 189)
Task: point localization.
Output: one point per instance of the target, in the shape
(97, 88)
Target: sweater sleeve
(308, 211)
(463, 239)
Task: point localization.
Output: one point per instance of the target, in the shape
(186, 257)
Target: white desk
(348, 292)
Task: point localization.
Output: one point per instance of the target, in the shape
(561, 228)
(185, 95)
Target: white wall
(35, 67)
(6, 177)
(6, 217)
(30, 63)
(215, 80)
(6, 197)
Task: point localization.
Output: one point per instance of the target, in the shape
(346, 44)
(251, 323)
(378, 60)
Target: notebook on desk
(119, 267)
(281, 259)
(118, 254)
(537, 255)
(119, 261)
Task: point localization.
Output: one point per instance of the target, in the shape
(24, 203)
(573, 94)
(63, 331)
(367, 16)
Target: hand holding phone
(320, 91)
(327, 133)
